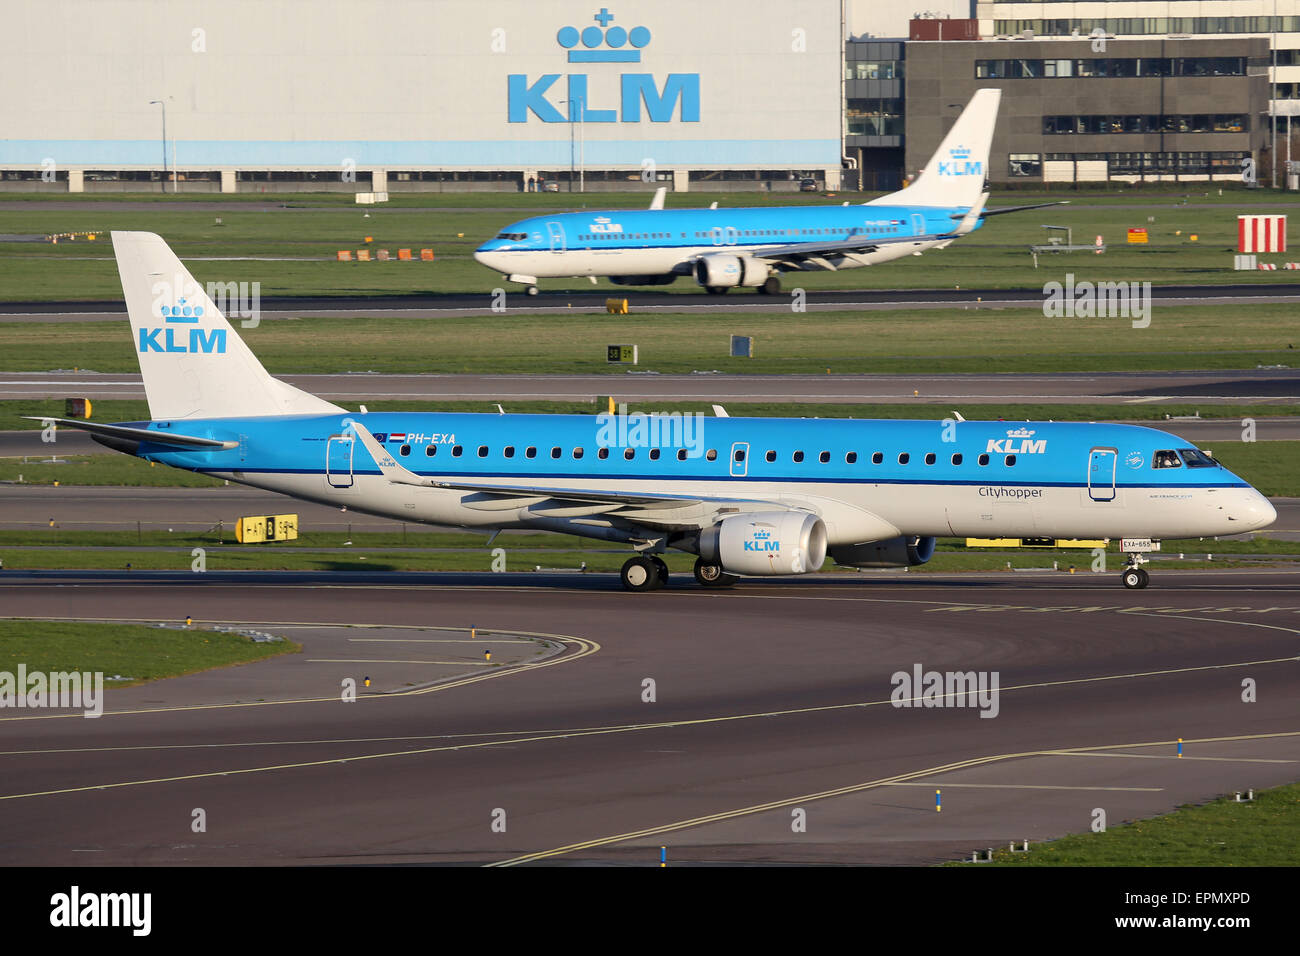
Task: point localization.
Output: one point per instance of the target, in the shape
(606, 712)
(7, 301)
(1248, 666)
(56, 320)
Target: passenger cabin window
(654, 454)
(930, 459)
(711, 454)
(1011, 460)
(577, 453)
(629, 453)
(904, 458)
(482, 451)
(824, 457)
(1166, 459)
(456, 451)
(681, 454)
(404, 450)
(555, 452)
(739, 454)
(508, 451)
(430, 450)
(602, 453)
(530, 451)
(877, 458)
(770, 456)
(798, 456)
(956, 459)
(851, 458)
(984, 459)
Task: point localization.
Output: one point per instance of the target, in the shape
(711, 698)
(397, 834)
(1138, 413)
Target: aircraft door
(715, 234)
(556, 232)
(732, 235)
(918, 224)
(1101, 473)
(740, 459)
(338, 461)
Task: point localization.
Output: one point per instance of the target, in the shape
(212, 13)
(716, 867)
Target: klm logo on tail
(959, 163)
(199, 340)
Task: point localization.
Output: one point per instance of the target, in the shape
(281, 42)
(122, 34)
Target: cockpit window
(1196, 458)
(513, 236)
(1166, 459)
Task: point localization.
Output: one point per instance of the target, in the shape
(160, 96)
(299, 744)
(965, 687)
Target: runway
(485, 302)
(766, 700)
(1252, 386)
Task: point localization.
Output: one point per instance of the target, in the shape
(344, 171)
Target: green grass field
(944, 340)
(1263, 832)
(14, 412)
(453, 224)
(134, 651)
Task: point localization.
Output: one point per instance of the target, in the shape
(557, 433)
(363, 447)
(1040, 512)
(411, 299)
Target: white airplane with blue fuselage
(748, 248)
(748, 496)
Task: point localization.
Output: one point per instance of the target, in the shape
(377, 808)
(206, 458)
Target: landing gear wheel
(661, 568)
(712, 576)
(716, 289)
(1135, 578)
(771, 287)
(640, 574)
(532, 290)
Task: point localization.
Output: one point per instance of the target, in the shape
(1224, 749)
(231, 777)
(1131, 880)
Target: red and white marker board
(1261, 233)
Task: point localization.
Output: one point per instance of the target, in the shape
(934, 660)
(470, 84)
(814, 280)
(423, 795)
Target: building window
(1025, 165)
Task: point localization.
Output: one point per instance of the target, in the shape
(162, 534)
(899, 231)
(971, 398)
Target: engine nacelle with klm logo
(722, 271)
(776, 542)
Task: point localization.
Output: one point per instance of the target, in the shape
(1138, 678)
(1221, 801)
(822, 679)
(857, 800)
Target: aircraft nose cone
(1262, 512)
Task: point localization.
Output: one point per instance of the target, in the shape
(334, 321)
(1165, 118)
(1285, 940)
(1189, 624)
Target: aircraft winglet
(388, 465)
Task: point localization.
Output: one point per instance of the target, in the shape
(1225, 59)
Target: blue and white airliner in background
(726, 248)
(749, 496)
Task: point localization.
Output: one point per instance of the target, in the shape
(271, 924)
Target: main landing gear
(712, 576)
(645, 572)
(772, 286)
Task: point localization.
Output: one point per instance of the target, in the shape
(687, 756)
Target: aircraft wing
(845, 247)
(658, 510)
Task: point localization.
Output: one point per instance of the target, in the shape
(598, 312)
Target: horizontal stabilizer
(127, 433)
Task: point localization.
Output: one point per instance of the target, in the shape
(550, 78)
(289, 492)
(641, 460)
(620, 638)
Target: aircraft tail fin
(955, 174)
(193, 362)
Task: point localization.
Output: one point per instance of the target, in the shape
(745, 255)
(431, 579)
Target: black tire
(771, 287)
(716, 289)
(640, 574)
(712, 576)
(661, 567)
(1132, 578)
(1146, 578)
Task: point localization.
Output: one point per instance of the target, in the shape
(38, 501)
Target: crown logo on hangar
(614, 38)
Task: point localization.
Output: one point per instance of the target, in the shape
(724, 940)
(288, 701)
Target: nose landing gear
(1134, 576)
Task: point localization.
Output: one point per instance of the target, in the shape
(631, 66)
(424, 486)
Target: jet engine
(723, 271)
(900, 552)
(775, 542)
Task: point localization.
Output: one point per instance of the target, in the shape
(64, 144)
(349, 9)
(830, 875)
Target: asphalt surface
(431, 305)
(770, 737)
(1253, 386)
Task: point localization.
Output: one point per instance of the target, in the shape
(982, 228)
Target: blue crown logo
(762, 535)
(614, 37)
(1020, 433)
(960, 152)
(182, 312)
